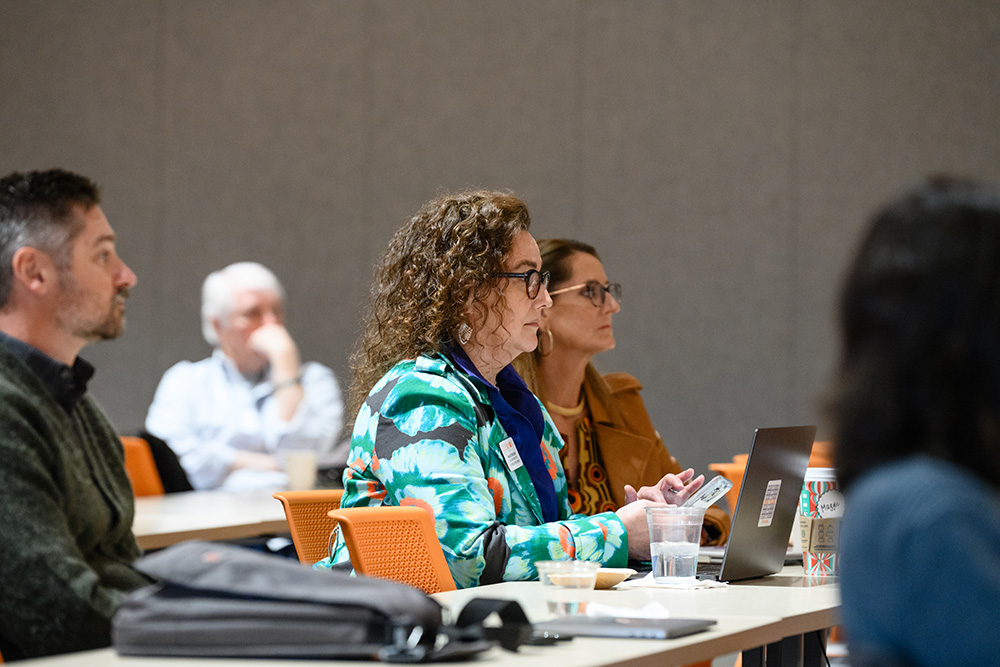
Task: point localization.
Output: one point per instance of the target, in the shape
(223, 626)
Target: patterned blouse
(426, 436)
(592, 493)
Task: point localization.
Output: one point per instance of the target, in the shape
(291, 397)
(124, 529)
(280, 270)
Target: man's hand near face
(274, 342)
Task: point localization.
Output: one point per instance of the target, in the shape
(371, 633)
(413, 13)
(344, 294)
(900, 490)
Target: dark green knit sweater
(66, 507)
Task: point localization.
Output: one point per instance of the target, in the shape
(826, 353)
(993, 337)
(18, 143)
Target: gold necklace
(566, 412)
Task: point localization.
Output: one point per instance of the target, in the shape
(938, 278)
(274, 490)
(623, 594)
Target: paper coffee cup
(821, 505)
(301, 468)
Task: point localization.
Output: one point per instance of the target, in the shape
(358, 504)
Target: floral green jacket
(426, 436)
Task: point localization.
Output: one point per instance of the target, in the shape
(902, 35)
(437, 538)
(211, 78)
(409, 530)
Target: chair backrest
(141, 467)
(397, 543)
(172, 473)
(309, 522)
(821, 455)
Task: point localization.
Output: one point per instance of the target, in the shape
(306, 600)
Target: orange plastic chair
(397, 543)
(822, 455)
(307, 513)
(141, 468)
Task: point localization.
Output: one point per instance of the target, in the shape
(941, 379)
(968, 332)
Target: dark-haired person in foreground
(917, 417)
(66, 505)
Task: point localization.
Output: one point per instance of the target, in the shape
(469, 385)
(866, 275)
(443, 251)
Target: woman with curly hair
(609, 437)
(445, 423)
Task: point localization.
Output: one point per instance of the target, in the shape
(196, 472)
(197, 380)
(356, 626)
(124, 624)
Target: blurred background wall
(722, 156)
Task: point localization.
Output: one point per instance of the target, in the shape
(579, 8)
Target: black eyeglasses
(594, 291)
(533, 280)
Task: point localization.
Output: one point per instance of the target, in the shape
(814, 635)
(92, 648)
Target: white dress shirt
(207, 411)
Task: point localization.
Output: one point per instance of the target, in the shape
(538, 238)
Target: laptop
(565, 627)
(768, 505)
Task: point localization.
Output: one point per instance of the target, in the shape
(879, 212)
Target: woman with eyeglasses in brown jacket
(611, 443)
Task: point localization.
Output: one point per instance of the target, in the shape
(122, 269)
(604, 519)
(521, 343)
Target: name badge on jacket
(509, 451)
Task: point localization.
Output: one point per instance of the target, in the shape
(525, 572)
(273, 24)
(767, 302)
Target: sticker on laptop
(770, 502)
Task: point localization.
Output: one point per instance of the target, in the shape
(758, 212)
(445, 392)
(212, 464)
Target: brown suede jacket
(632, 450)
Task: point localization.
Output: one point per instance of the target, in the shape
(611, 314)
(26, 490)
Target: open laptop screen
(768, 503)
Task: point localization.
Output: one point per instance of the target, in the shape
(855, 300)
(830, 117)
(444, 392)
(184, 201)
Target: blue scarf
(520, 416)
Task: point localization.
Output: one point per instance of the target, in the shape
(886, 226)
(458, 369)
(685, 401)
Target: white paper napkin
(649, 582)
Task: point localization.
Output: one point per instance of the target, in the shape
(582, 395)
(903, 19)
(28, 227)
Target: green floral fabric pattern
(427, 437)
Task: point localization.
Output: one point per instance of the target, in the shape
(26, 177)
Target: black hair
(920, 325)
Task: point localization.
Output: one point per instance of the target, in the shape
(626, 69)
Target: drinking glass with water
(674, 537)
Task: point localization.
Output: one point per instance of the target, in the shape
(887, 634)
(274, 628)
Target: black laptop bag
(218, 600)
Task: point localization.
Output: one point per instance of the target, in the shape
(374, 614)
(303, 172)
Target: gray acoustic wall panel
(723, 156)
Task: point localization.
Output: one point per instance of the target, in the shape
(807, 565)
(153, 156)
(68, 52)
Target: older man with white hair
(231, 417)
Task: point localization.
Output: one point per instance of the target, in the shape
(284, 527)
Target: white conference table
(778, 612)
(161, 521)
(748, 615)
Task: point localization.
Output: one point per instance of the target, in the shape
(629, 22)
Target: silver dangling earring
(464, 333)
(552, 343)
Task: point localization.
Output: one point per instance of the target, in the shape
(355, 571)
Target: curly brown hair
(446, 256)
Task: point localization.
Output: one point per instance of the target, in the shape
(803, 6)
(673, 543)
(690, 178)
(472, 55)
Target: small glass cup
(565, 582)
